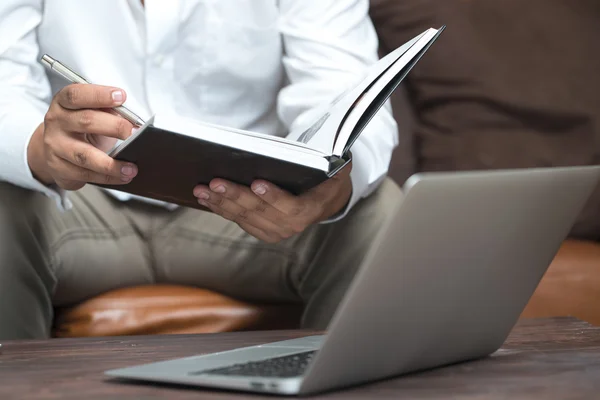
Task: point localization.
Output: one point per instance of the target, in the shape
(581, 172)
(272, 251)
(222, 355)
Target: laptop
(445, 282)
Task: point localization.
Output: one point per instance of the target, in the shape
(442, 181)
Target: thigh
(101, 250)
(342, 248)
(89, 249)
(202, 249)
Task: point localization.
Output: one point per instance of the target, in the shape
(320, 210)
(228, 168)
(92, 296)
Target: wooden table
(543, 359)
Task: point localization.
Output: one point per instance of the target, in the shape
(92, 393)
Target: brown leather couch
(509, 84)
(156, 309)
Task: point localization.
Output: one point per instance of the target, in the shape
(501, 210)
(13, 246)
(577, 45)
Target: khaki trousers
(51, 258)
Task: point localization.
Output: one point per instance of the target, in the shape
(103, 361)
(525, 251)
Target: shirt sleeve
(329, 45)
(24, 93)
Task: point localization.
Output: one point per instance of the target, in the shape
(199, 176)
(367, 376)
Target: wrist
(36, 158)
(340, 202)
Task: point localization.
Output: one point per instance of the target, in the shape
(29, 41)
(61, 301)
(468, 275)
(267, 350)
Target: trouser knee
(22, 229)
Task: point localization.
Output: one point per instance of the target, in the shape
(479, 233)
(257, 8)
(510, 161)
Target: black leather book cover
(170, 165)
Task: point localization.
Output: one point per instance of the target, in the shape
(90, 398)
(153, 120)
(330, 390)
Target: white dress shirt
(259, 65)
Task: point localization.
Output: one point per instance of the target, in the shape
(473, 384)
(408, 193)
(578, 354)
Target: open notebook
(174, 154)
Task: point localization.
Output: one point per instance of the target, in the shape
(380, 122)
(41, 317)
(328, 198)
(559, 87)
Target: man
(261, 65)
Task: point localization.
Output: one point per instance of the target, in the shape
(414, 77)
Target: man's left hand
(271, 214)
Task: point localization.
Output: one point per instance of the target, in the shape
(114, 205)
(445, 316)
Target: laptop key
(278, 367)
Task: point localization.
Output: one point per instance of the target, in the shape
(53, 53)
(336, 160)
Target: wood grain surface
(556, 358)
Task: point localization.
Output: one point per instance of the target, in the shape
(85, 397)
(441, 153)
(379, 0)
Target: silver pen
(65, 72)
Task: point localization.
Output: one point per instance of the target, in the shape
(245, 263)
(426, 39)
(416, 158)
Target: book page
(322, 133)
(261, 136)
(191, 127)
(379, 92)
(254, 143)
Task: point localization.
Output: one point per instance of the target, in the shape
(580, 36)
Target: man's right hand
(69, 148)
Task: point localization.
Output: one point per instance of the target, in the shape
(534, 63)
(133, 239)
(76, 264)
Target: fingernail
(128, 170)
(125, 179)
(203, 196)
(117, 96)
(219, 189)
(260, 189)
(134, 130)
(203, 203)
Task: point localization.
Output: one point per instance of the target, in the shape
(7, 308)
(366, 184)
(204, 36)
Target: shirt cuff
(17, 132)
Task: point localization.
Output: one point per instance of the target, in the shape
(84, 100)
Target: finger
(78, 96)
(73, 177)
(243, 196)
(260, 234)
(248, 228)
(98, 123)
(69, 185)
(287, 203)
(236, 213)
(84, 155)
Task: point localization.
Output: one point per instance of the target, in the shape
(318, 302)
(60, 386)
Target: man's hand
(270, 213)
(69, 147)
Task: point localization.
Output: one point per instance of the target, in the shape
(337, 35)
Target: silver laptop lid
(451, 272)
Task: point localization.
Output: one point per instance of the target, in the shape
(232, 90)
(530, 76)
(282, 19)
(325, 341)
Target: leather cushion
(161, 309)
(571, 286)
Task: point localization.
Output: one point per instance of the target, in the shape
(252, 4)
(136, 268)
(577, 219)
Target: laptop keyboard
(279, 367)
